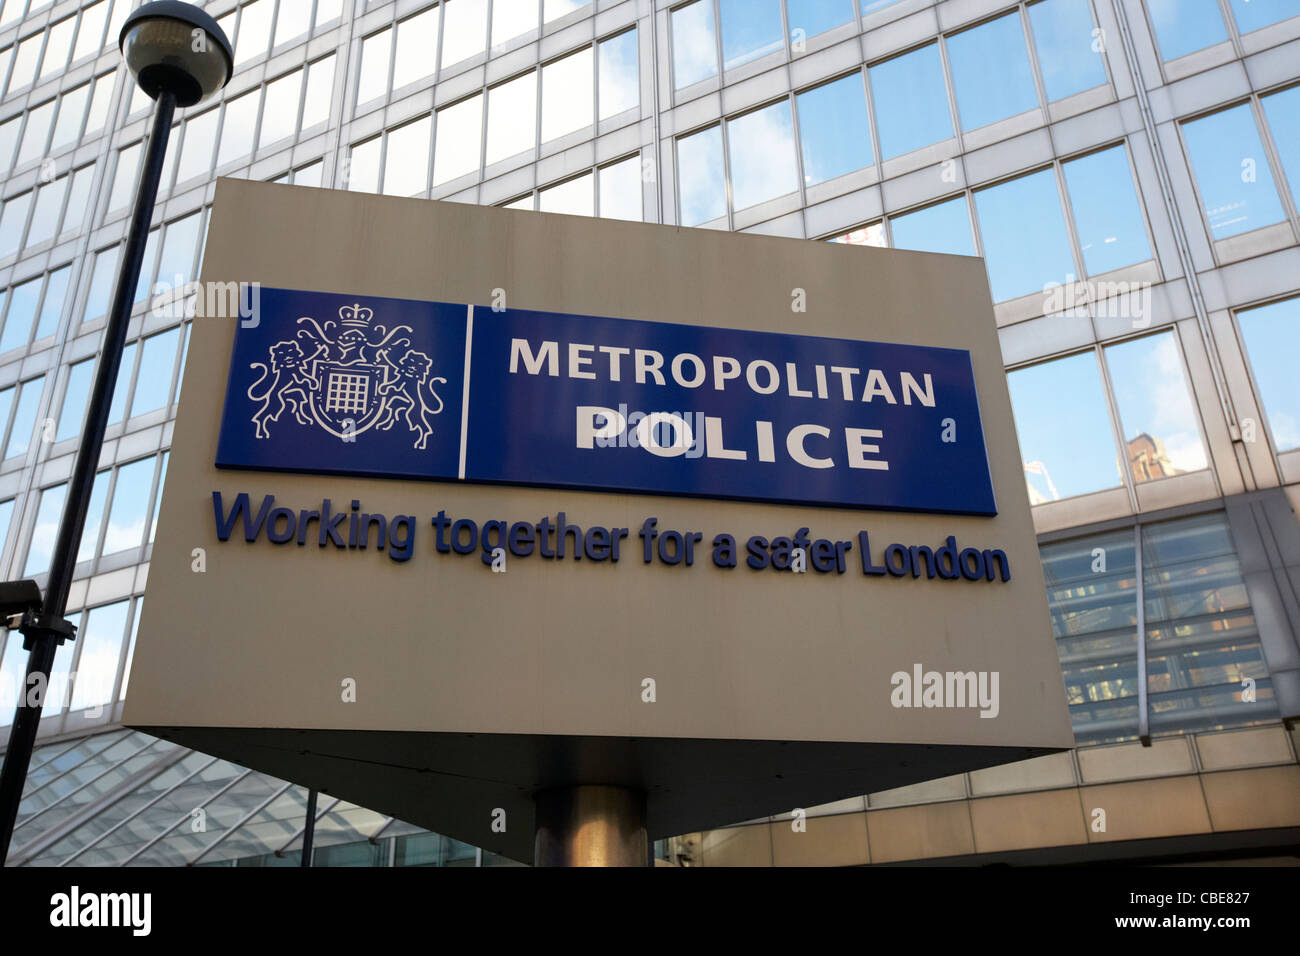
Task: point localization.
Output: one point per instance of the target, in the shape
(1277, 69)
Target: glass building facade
(1128, 169)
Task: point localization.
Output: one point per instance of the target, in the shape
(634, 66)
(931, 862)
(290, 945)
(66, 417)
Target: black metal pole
(309, 830)
(27, 717)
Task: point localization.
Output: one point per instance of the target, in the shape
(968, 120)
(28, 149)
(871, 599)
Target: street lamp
(180, 57)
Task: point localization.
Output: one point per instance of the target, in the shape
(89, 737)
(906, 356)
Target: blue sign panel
(330, 384)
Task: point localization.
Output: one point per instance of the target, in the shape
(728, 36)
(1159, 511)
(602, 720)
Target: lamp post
(179, 56)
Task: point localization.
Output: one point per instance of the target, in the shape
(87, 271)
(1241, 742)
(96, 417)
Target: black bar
(27, 718)
(309, 831)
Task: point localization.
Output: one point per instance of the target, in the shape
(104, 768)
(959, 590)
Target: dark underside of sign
(452, 783)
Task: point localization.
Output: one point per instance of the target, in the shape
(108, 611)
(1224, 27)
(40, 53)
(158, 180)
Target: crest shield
(347, 393)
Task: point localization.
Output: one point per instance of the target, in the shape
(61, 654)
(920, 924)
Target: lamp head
(174, 47)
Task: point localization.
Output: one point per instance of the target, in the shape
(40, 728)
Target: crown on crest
(356, 316)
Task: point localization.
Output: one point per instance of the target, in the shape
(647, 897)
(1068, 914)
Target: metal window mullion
(1274, 160)
(954, 111)
(127, 819)
(1116, 425)
(185, 816)
(230, 830)
(1067, 213)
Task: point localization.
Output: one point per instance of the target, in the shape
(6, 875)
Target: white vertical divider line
(464, 398)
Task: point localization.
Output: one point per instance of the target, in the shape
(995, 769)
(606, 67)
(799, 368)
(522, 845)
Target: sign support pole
(591, 825)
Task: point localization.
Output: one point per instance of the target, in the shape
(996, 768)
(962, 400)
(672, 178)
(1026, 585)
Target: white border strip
(464, 399)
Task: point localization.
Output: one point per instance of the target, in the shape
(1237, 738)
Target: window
(811, 17)
(154, 382)
(9, 138)
(72, 110)
(1067, 41)
(13, 219)
(695, 52)
(1023, 253)
(375, 53)
(19, 311)
(574, 197)
(406, 161)
(101, 284)
(512, 118)
(1282, 111)
(254, 34)
(24, 420)
(512, 18)
(26, 53)
(309, 175)
(750, 29)
(700, 180)
(1271, 334)
(567, 95)
(1253, 14)
(41, 548)
(237, 127)
(620, 77)
(1185, 26)
(99, 103)
(870, 235)
(292, 21)
(49, 209)
(554, 9)
(416, 46)
(620, 190)
(1107, 215)
(1067, 448)
(117, 407)
(280, 109)
(75, 396)
(990, 72)
(90, 33)
(58, 46)
(197, 144)
(834, 135)
(1155, 407)
(100, 637)
(130, 509)
(944, 227)
(361, 174)
(762, 155)
(180, 242)
(457, 150)
(911, 102)
(1232, 173)
(464, 30)
(36, 134)
(94, 515)
(320, 87)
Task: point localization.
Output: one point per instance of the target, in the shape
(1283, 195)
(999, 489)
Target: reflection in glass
(512, 118)
(19, 315)
(179, 244)
(126, 518)
(13, 218)
(197, 145)
(574, 197)
(49, 207)
(101, 651)
(118, 405)
(56, 290)
(292, 21)
(72, 109)
(320, 84)
(944, 227)
(1064, 38)
(101, 284)
(47, 525)
(554, 9)
(1107, 217)
(1155, 407)
(1232, 172)
(990, 72)
(834, 134)
(58, 44)
(695, 51)
(750, 29)
(512, 18)
(1185, 26)
(456, 144)
(620, 79)
(254, 30)
(700, 178)
(406, 162)
(90, 33)
(1254, 14)
(1272, 337)
(20, 432)
(1067, 448)
(35, 134)
(869, 235)
(811, 17)
(154, 382)
(1023, 253)
(620, 190)
(911, 102)
(567, 95)
(762, 155)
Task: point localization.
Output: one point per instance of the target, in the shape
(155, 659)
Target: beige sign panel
(441, 692)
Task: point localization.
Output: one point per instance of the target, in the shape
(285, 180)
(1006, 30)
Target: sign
(610, 594)
(355, 385)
